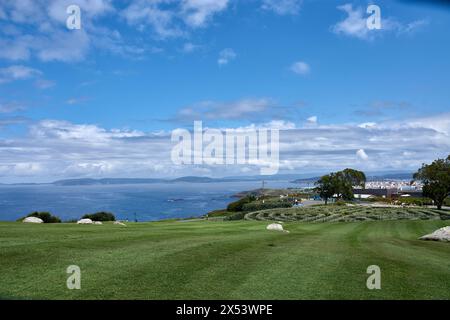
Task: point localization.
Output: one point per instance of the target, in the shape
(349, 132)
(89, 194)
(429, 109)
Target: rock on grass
(442, 234)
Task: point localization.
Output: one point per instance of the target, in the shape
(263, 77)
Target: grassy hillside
(224, 260)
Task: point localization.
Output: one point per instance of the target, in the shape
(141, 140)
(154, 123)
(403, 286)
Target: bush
(218, 213)
(447, 202)
(100, 216)
(257, 206)
(340, 203)
(238, 206)
(236, 216)
(44, 216)
(416, 201)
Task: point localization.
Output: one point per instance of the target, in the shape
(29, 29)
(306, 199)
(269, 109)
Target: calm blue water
(148, 201)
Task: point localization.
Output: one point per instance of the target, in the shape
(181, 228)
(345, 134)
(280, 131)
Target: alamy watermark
(74, 280)
(374, 280)
(73, 21)
(374, 21)
(258, 147)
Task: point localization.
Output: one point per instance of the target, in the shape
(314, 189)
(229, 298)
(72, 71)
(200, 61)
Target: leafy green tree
(341, 184)
(326, 187)
(354, 177)
(436, 180)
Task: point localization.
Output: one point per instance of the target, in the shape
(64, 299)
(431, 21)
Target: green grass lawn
(224, 260)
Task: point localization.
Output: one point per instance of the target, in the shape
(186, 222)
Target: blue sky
(143, 68)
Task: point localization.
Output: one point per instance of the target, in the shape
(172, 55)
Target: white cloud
(283, 7)
(61, 149)
(355, 24)
(225, 56)
(11, 107)
(169, 18)
(361, 154)
(300, 67)
(367, 125)
(190, 47)
(226, 110)
(37, 29)
(196, 13)
(17, 72)
(312, 120)
(143, 13)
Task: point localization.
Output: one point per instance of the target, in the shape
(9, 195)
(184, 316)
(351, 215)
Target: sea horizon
(145, 202)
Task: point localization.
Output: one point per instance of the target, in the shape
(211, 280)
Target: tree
(326, 187)
(341, 184)
(346, 180)
(436, 180)
(355, 177)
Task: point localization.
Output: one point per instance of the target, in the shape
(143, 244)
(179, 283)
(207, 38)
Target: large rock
(276, 227)
(442, 234)
(33, 220)
(120, 223)
(98, 222)
(85, 221)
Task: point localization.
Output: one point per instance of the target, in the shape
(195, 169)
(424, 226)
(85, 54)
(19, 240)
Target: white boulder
(98, 222)
(33, 220)
(120, 223)
(442, 234)
(85, 221)
(276, 227)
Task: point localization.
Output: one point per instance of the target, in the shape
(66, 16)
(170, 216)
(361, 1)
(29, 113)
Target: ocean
(148, 202)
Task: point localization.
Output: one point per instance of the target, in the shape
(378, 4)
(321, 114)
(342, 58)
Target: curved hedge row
(346, 214)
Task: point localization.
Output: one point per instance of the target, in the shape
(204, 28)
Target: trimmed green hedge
(257, 206)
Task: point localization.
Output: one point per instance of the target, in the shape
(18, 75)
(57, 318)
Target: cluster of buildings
(395, 184)
(389, 189)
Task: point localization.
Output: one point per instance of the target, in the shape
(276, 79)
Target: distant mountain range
(294, 178)
(370, 177)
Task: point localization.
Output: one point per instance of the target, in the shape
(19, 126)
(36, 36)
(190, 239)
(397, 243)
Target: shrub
(257, 206)
(218, 213)
(44, 216)
(238, 206)
(100, 216)
(447, 202)
(236, 216)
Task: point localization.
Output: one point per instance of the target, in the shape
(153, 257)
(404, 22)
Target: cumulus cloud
(38, 29)
(361, 154)
(301, 68)
(312, 120)
(197, 13)
(225, 56)
(283, 7)
(169, 18)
